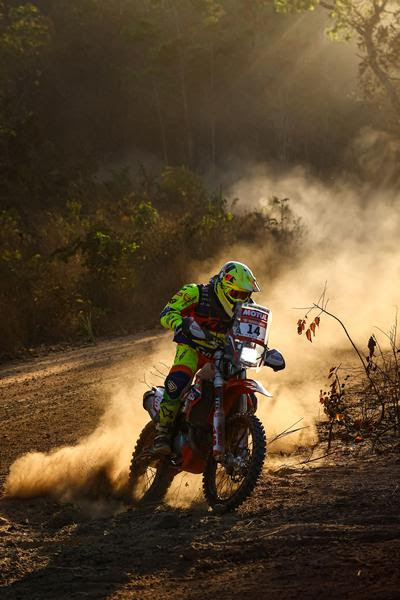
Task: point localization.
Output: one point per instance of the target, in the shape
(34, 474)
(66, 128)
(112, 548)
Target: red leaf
(316, 321)
(308, 334)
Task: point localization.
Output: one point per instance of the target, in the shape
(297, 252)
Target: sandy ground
(327, 530)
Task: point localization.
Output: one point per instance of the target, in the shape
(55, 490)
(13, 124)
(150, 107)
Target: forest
(144, 143)
(122, 121)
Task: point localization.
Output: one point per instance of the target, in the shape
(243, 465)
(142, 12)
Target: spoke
(150, 478)
(223, 488)
(227, 484)
(222, 481)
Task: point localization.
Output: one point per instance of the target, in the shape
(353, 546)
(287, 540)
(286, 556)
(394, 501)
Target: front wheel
(229, 484)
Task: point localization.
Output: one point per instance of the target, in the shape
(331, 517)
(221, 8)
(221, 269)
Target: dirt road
(331, 530)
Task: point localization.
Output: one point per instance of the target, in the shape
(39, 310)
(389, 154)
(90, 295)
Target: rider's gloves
(191, 329)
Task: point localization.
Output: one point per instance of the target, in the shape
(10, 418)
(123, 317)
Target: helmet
(234, 283)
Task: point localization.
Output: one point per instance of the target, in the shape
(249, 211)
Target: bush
(106, 262)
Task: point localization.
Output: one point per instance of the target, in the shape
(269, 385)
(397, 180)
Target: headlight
(249, 356)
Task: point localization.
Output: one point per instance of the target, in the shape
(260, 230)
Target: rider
(211, 308)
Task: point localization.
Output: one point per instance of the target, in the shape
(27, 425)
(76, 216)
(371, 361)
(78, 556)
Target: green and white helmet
(235, 282)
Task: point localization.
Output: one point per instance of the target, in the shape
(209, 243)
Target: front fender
(246, 386)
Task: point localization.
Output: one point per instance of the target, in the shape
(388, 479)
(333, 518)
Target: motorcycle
(216, 433)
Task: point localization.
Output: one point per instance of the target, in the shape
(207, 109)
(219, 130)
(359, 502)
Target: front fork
(219, 413)
(243, 409)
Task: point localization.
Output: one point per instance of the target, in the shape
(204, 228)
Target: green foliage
(295, 5)
(145, 216)
(89, 88)
(375, 26)
(86, 84)
(27, 31)
(97, 267)
(182, 188)
(102, 252)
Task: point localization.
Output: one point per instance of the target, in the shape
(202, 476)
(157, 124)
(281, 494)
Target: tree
(375, 24)
(25, 35)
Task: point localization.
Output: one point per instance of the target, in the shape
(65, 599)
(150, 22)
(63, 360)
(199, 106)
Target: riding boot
(162, 440)
(168, 410)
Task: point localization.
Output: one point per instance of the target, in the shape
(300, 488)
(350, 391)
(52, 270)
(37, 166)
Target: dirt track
(331, 530)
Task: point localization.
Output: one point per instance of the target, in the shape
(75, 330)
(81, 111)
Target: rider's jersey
(200, 302)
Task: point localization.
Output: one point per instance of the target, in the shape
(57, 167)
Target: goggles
(238, 295)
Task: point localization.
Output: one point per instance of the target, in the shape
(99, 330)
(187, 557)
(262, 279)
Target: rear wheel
(149, 476)
(227, 485)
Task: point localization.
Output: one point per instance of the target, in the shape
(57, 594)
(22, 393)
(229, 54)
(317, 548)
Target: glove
(191, 329)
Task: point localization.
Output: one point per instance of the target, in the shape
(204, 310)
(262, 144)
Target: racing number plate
(253, 325)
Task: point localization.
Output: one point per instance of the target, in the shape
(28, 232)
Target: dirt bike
(216, 432)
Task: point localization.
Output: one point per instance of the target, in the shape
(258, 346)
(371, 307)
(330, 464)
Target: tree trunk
(185, 103)
(160, 120)
(379, 72)
(212, 110)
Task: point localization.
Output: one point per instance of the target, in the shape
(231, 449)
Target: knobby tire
(253, 473)
(164, 472)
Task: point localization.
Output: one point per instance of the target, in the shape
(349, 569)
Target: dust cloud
(350, 240)
(93, 473)
(351, 233)
(96, 467)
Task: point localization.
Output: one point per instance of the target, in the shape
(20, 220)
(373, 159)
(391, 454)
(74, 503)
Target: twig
(284, 434)
(309, 460)
(159, 371)
(286, 430)
(378, 395)
(157, 375)
(322, 309)
(145, 382)
(272, 532)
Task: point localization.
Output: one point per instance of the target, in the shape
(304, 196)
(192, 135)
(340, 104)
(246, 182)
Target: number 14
(251, 331)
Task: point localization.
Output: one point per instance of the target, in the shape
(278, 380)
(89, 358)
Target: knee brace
(175, 384)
